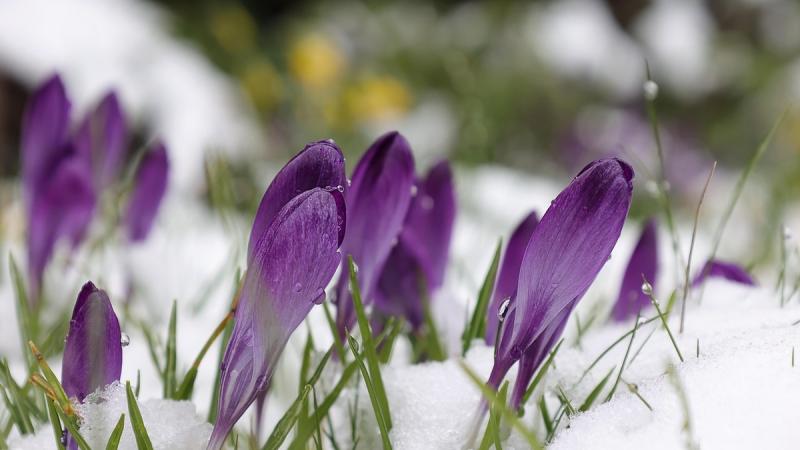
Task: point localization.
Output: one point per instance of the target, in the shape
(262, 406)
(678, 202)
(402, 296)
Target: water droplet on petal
(261, 382)
(319, 298)
(298, 287)
(503, 309)
(124, 339)
(647, 289)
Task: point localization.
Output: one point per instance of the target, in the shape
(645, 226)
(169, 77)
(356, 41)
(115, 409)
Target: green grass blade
(286, 423)
(14, 400)
(171, 356)
(25, 317)
(72, 426)
(116, 434)
(541, 373)
(322, 410)
(337, 341)
(508, 415)
(624, 359)
(546, 419)
(492, 433)
(56, 424)
(370, 352)
(139, 431)
(477, 324)
(373, 395)
(595, 392)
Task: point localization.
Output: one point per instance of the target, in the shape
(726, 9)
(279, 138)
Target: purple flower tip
(102, 138)
(293, 254)
(150, 185)
(377, 203)
(508, 275)
(93, 349)
(643, 262)
(566, 251)
(720, 269)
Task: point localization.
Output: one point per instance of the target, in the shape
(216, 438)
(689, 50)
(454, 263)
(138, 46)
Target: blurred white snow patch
(678, 35)
(164, 84)
(580, 39)
(736, 388)
(171, 424)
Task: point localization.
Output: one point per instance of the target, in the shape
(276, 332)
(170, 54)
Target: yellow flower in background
(262, 84)
(234, 29)
(377, 98)
(315, 61)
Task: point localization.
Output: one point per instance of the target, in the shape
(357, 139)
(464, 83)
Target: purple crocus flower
(564, 255)
(93, 349)
(422, 248)
(149, 187)
(719, 269)
(102, 138)
(377, 203)
(62, 209)
(293, 254)
(643, 263)
(508, 276)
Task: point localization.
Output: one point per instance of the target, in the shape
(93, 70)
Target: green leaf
(433, 345)
(477, 324)
(139, 431)
(171, 357)
(492, 433)
(595, 392)
(546, 419)
(14, 400)
(152, 348)
(373, 394)
(116, 434)
(337, 341)
(369, 346)
(72, 426)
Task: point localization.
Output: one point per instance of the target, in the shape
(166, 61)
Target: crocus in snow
(377, 203)
(508, 275)
(643, 263)
(102, 138)
(293, 254)
(149, 186)
(566, 251)
(421, 250)
(93, 349)
(719, 269)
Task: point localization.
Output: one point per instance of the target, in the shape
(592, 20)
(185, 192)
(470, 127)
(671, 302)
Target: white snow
(170, 424)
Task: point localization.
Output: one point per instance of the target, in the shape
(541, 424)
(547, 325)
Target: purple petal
(289, 270)
(720, 269)
(150, 185)
(536, 354)
(508, 276)
(398, 292)
(566, 251)
(62, 209)
(103, 139)
(422, 249)
(377, 203)
(643, 262)
(44, 135)
(319, 165)
(93, 349)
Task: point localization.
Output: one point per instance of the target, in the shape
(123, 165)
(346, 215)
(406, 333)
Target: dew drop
(330, 141)
(502, 311)
(319, 298)
(349, 182)
(647, 289)
(298, 287)
(124, 339)
(63, 438)
(650, 90)
(260, 382)
(340, 188)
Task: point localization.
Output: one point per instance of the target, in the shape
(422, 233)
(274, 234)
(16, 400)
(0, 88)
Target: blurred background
(541, 87)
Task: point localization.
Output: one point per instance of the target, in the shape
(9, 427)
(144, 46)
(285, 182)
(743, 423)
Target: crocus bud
(506, 285)
(422, 249)
(719, 269)
(149, 187)
(566, 251)
(93, 349)
(377, 203)
(102, 138)
(293, 254)
(643, 263)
